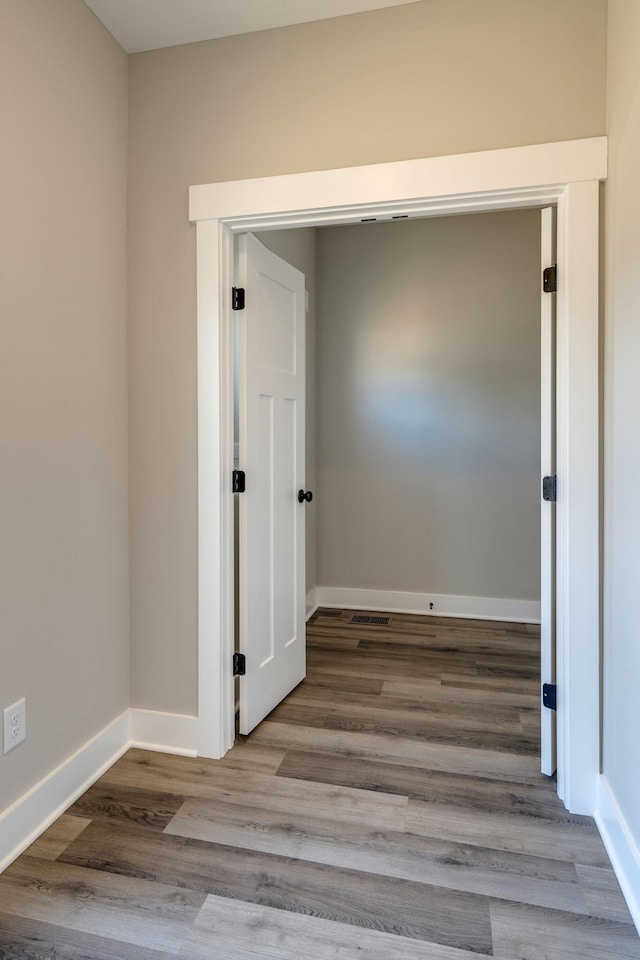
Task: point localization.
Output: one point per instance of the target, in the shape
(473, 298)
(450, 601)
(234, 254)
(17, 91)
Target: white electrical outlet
(15, 724)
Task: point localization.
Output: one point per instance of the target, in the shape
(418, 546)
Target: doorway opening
(428, 454)
(566, 175)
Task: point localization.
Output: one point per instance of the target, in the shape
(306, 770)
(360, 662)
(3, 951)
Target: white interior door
(548, 509)
(272, 455)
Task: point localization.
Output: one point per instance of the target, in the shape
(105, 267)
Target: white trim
(216, 707)
(311, 604)
(621, 847)
(397, 601)
(164, 732)
(565, 174)
(578, 504)
(23, 822)
(548, 726)
(303, 195)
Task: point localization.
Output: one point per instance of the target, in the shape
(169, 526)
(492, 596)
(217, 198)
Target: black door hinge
(549, 695)
(237, 298)
(550, 279)
(239, 481)
(550, 489)
(239, 665)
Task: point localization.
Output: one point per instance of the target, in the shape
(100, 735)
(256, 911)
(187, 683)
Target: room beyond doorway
(428, 407)
(423, 412)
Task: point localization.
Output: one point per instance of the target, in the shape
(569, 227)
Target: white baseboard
(312, 603)
(396, 601)
(23, 822)
(620, 845)
(164, 732)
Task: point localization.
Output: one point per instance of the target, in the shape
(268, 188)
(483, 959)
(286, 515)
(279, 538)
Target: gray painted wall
(64, 570)
(428, 405)
(621, 750)
(418, 80)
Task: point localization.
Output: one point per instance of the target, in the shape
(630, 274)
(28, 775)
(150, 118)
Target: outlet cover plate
(15, 724)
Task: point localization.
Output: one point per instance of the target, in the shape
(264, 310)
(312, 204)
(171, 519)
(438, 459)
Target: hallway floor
(390, 809)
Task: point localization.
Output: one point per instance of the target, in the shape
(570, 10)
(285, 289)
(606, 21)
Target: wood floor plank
(362, 899)
(381, 667)
(351, 684)
(533, 933)
(239, 931)
(58, 836)
(153, 915)
(487, 682)
(531, 721)
(326, 641)
(471, 869)
(433, 649)
(129, 804)
(26, 939)
(438, 643)
(471, 793)
(247, 756)
(404, 751)
(396, 724)
(451, 714)
(223, 784)
(355, 634)
(472, 696)
(403, 640)
(602, 893)
(578, 838)
(499, 666)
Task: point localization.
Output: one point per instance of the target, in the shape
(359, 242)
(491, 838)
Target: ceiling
(148, 24)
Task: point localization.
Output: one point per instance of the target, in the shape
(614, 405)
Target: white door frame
(566, 174)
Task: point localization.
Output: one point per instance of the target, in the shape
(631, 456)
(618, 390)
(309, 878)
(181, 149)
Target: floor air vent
(365, 618)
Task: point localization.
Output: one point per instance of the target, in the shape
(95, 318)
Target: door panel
(272, 521)
(548, 509)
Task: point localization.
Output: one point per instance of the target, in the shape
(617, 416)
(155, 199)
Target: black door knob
(302, 496)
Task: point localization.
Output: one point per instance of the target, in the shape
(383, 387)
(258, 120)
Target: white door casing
(566, 174)
(272, 455)
(548, 758)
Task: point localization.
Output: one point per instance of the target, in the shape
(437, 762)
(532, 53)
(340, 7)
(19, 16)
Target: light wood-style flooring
(390, 809)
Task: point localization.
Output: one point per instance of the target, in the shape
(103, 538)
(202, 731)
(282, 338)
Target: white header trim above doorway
(565, 174)
(335, 195)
